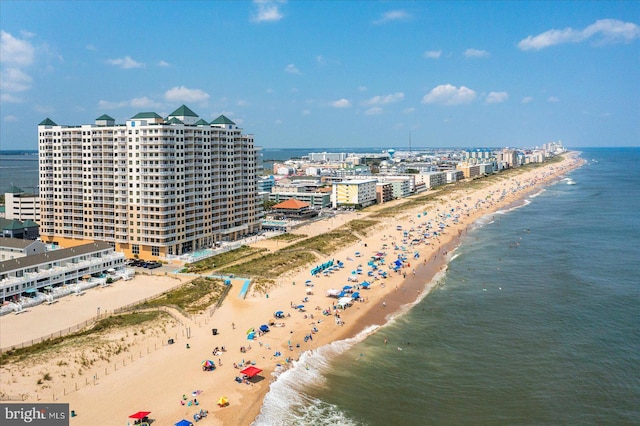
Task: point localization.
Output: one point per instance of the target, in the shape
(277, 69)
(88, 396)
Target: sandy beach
(137, 369)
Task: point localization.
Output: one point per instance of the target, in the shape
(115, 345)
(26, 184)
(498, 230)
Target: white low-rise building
(44, 272)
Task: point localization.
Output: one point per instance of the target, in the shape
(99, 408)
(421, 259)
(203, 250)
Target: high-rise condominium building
(152, 187)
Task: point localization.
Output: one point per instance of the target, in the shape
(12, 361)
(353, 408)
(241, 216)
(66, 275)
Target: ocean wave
(286, 403)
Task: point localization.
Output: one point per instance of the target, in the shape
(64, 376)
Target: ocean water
(19, 168)
(536, 321)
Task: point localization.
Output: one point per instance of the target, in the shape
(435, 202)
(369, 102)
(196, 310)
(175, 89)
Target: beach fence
(92, 377)
(82, 325)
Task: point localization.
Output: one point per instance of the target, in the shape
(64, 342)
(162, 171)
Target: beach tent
(223, 401)
(140, 415)
(251, 371)
(333, 292)
(279, 314)
(345, 301)
(184, 422)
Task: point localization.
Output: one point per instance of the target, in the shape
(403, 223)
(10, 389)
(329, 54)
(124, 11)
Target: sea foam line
(286, 402)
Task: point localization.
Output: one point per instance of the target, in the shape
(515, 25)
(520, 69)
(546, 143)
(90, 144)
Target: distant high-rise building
(152, 187)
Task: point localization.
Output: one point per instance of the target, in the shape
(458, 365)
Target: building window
(155, 251)
(135, 248)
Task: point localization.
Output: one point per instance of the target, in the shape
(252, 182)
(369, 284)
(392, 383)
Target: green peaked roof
(174, 120)
(222, 120)
(183, 111)
(13, 224)
(201, 122)
(105, 117)
(146, 115)
(29, 223)
(47, 122)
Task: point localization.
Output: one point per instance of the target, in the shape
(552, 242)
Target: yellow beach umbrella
(223, 401)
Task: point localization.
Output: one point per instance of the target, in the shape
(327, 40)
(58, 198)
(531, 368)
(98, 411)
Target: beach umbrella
(278, 314)
(140, 415)
(307, 282)
(208, 363)
(347, 287)
(223, 401)
(251, 371)
(355, 295)
(309, 291)
(184, 422)
(365, 285)
(300, 307)
(264, 327)
(251, 330)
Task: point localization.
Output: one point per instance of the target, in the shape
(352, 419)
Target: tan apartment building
(152, 187)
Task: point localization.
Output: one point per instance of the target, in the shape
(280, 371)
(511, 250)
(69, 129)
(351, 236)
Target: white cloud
(44, 109)
(382, 100)
(184, 94)
(90, 47)
(306, 112)
(125, 63)
(447, 94)
(362, 88)
(373, 111)
(341, 103)
(321, 60)
(408, 110)
(102, 104)
(10, 118)
(14, 80)
(393, 15)
(9, 98)
(242, 103)
(267, 11)
(164, 64)
(291, 69)
(15, 51)
(609, 31)
(496, 97)
(476, 53)
(527, 100)
(144, 102)
(553, 99)
(432, 54)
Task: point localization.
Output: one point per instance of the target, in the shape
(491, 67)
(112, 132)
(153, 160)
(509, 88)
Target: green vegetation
(221, 260)
(271, 265)
(288, 237)
(326, 244)
(107, 324)
(361, 226)
(193, 297)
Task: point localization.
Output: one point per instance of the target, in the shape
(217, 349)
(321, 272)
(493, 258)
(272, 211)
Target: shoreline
(174, 370)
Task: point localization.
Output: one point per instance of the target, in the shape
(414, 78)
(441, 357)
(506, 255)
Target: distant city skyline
(331, 74)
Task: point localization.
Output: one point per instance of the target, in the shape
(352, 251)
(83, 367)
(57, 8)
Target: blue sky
(331, 74)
